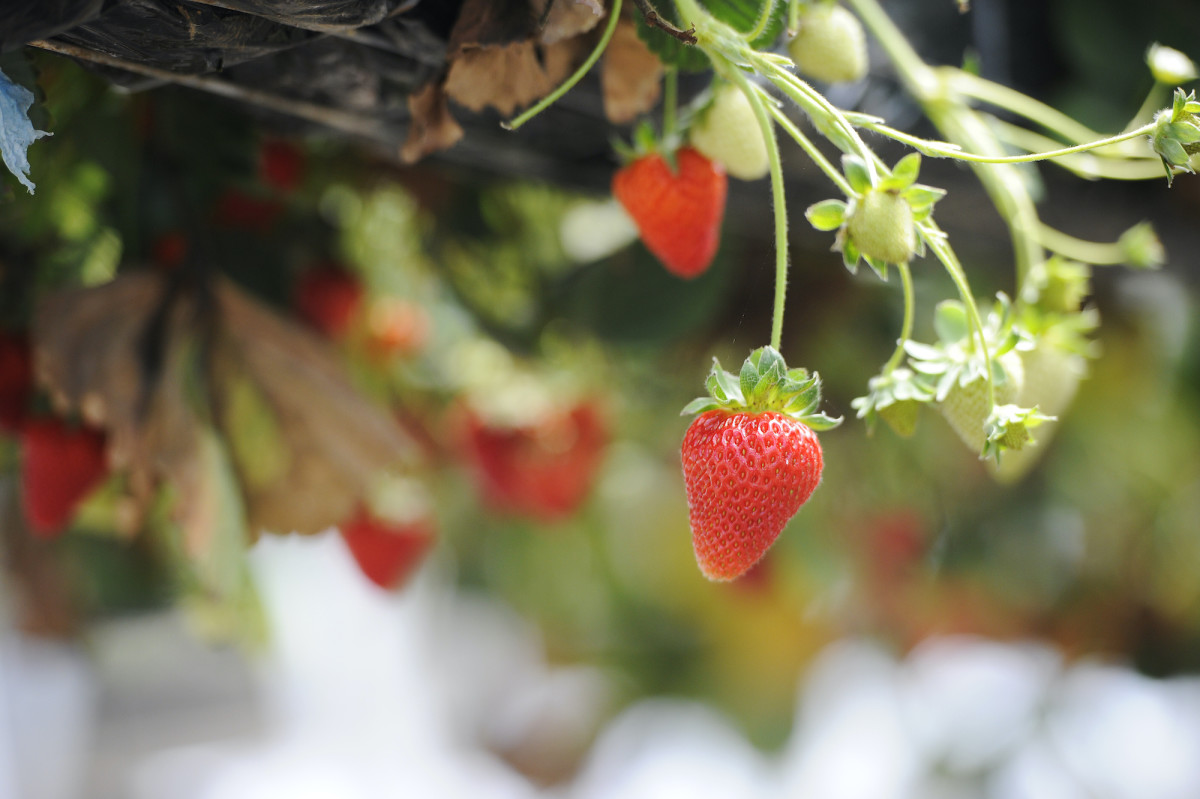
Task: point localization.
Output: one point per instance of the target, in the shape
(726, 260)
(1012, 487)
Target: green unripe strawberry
(966, 408)
(1051, 379)
(901, 417)
(881, 227)
(830, 44)
(728, 133)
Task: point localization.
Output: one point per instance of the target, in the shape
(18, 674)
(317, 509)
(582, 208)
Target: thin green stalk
(777, 195)
(936, 241)
(943, 150)
(1090, 252)
(814, 154)
(1157, 98)
(1086, 165)
(1011, 100)
(670, 102)
(614, 14)
(907, 325)
(825, 116)
(793, 20)
(764, 19)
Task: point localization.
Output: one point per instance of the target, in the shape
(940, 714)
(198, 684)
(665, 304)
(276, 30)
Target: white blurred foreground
(369, 695)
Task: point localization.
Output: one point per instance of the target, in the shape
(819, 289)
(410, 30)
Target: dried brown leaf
(337, 440)
(511, 77)
(493, 23)
(568, 18)
(433, 127)
(630, 77)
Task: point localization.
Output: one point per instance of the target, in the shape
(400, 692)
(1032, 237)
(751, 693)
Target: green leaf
(879, 266)
(857, 173)
(748, 378)
(850, 255)
(826, 215)
(950, 321)
(921, 197)
(741, 15)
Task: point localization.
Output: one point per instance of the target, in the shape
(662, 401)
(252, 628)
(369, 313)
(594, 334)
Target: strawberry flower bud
(1170, 66)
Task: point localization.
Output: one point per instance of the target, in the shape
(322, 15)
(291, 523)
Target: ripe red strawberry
(387, 552)
(677, 212)
(16, 380)
(328, 297)
(60, 466)
(238, 210)
(750, 460)
(543, 470)
(281, 165)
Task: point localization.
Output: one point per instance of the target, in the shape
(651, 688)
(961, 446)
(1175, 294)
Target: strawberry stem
(754, 96)
(810, 149)
(614, 15)
(764, 19)
(936, 240)
(907, 325)
(670, 103)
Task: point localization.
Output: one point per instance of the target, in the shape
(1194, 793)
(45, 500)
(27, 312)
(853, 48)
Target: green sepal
(857, 173)
(879, 266)
(894, 397)
(1142, 247)
(1008, 428)
(764, 383)
(850, 254)
(904, 174)
(826, 215)
(950, 321)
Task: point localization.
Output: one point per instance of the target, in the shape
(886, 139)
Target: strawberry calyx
(1007, 428)
(765, 383)
(896, 398)
(647, 142)
(878, 223)
(1176, 136)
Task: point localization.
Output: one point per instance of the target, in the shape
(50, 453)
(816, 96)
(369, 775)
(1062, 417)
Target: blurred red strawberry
(328, 297)
(543, 470)
(16, 380)
(387, 552)
(281, 165)
(169, 250)
(238, 210)
(60, 466)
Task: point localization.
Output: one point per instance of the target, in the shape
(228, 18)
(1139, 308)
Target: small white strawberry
(881, 226)
(727, 132)
(966, 407)
(830, 44)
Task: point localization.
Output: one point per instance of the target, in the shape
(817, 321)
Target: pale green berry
(966, 408)
(881, 226)
(830, 45)
(729, 134)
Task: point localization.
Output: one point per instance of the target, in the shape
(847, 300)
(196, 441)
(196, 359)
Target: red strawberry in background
(750, 460)
(677, 211)
(542, 470)
(169, 250)
(281, 165)
(387, 552)
(328, 297)
(238, 210)
(16, 380)
(60, 466)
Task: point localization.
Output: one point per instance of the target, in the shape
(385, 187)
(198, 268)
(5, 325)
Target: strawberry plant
(975, 375)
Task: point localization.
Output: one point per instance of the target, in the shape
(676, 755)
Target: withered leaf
(493, 23)
(630, 77)
(337, 441)
(432, 128)
(511, 77)
(90, 350)
(567, 18)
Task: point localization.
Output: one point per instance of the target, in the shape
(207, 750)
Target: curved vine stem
(906, 326)
(935, 239)
(777, 194)
(614, 15)
(810, 149)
